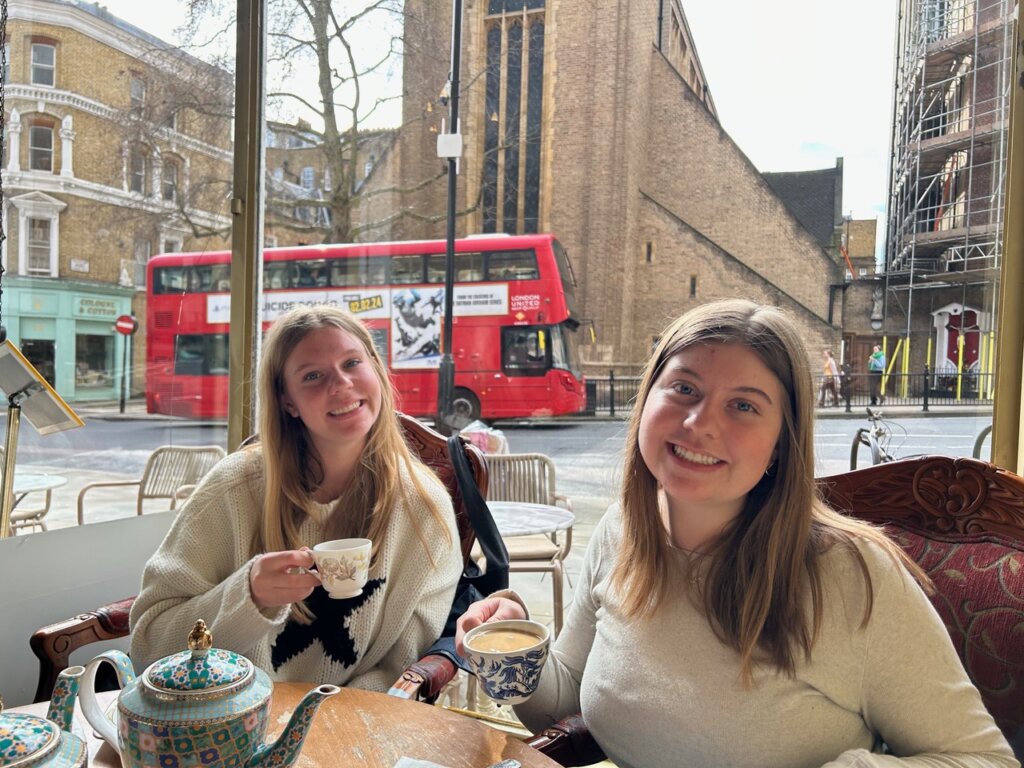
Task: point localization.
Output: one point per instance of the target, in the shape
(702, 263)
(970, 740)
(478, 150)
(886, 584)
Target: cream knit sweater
(201, 571)
(665, 692)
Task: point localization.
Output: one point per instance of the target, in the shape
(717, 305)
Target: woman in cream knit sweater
(330, 463)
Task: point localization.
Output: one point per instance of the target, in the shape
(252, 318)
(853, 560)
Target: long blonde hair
(753, 592)
(291, 468)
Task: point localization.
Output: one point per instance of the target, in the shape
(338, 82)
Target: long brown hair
(291, 468)
(754, 589)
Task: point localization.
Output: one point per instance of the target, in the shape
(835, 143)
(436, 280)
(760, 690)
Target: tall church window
(513, 103)
(513, 84)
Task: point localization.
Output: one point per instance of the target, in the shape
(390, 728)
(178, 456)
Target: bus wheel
(465, 407)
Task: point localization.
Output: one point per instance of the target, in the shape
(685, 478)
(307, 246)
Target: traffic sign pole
(125, 325)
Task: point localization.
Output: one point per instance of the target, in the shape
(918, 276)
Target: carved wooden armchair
(962, 520)
(54, 644)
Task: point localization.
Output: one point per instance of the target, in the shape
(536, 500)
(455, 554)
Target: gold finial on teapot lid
(200, 640)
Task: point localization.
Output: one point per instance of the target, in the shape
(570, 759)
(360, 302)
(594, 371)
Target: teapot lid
(26, 739)
(202, 671)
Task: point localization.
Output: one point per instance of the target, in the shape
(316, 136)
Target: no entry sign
(126, 324)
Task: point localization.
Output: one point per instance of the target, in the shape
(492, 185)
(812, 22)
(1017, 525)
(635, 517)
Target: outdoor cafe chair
(530, 478)
(25, 516)
(169, 470)
(962, 521)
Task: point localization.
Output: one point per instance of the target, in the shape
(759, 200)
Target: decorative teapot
(201, 708)
(30, 740)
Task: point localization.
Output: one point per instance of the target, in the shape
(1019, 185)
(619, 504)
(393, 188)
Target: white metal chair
(530, 478)
(171, 472)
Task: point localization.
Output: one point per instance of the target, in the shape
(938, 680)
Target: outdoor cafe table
(519, 518)
(363, 728)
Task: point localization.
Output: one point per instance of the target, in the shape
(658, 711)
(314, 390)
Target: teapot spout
(62, 700)
(285, 750)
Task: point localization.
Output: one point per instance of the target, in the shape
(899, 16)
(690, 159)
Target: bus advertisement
(514, 328)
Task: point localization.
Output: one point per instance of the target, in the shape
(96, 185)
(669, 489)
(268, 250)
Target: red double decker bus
(514, 330)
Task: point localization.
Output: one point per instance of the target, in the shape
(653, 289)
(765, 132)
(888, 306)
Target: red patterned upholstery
(962, 520)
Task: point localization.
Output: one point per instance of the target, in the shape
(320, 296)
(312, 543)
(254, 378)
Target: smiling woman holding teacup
(330, 468)
(724, 615)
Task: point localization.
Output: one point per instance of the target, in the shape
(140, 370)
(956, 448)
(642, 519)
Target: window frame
(34, 149)
(51, 67)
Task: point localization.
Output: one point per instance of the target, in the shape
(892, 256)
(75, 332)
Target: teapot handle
(87, 695)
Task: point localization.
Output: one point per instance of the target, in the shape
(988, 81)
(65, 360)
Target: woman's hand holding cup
(282, 578)
(482, 611)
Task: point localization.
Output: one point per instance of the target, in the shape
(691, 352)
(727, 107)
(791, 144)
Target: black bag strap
(479, 515)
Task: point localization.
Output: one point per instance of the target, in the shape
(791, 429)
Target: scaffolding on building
(948, 164)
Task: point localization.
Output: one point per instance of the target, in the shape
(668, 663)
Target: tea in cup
(507, 657)
(343, 566)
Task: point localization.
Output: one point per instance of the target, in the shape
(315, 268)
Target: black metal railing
(613, 395)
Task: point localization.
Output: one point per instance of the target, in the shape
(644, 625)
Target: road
(587, 455)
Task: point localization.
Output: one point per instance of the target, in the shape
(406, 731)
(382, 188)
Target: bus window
(277, 275)
(360, 271)
(469, 267)
(221, 277)
(201, 355)
(525, 351)
(169, 280)
(435, 268)
(380, 342)
(376, 270)
(406, 270)
(311, 274)
(512, 265)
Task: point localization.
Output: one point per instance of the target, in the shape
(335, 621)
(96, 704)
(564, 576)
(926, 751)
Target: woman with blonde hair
(330, 463)
(724, 614)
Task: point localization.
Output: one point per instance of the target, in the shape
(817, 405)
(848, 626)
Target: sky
(796, 83)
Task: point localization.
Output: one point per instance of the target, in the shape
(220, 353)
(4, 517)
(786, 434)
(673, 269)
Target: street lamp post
(449, 147)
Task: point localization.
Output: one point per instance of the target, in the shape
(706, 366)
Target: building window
(170, 181)
(143, 249)
(44, 64)
(693, 286)
(137, 92)
(649, 252)
(137, 171)
(307, 177)
(39, 241)
(40, 148)
(862, 271)
(514, 80)
(171, 120)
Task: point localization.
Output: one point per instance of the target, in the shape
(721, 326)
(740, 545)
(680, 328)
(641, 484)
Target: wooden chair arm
(424, 679)
(110, 484)
(53, 644)
(564, 500)
(568, 742)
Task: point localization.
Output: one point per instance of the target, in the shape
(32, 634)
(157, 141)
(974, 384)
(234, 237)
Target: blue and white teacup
(507, 657)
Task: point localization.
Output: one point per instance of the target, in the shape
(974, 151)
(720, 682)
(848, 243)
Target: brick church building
(597, 124)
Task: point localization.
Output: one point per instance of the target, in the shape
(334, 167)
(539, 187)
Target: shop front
(66, 330)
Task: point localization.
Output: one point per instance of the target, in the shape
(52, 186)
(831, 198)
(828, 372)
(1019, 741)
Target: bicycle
(876, 437)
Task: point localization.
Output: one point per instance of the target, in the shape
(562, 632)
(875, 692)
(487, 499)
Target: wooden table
(362, 728)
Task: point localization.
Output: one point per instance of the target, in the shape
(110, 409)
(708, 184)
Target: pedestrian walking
(876, 367)
(829, 380)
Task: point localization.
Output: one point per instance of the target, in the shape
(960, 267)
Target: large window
(39, 244)
(44, 64)
(169, 179)
(40, 148)
(138, 161)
